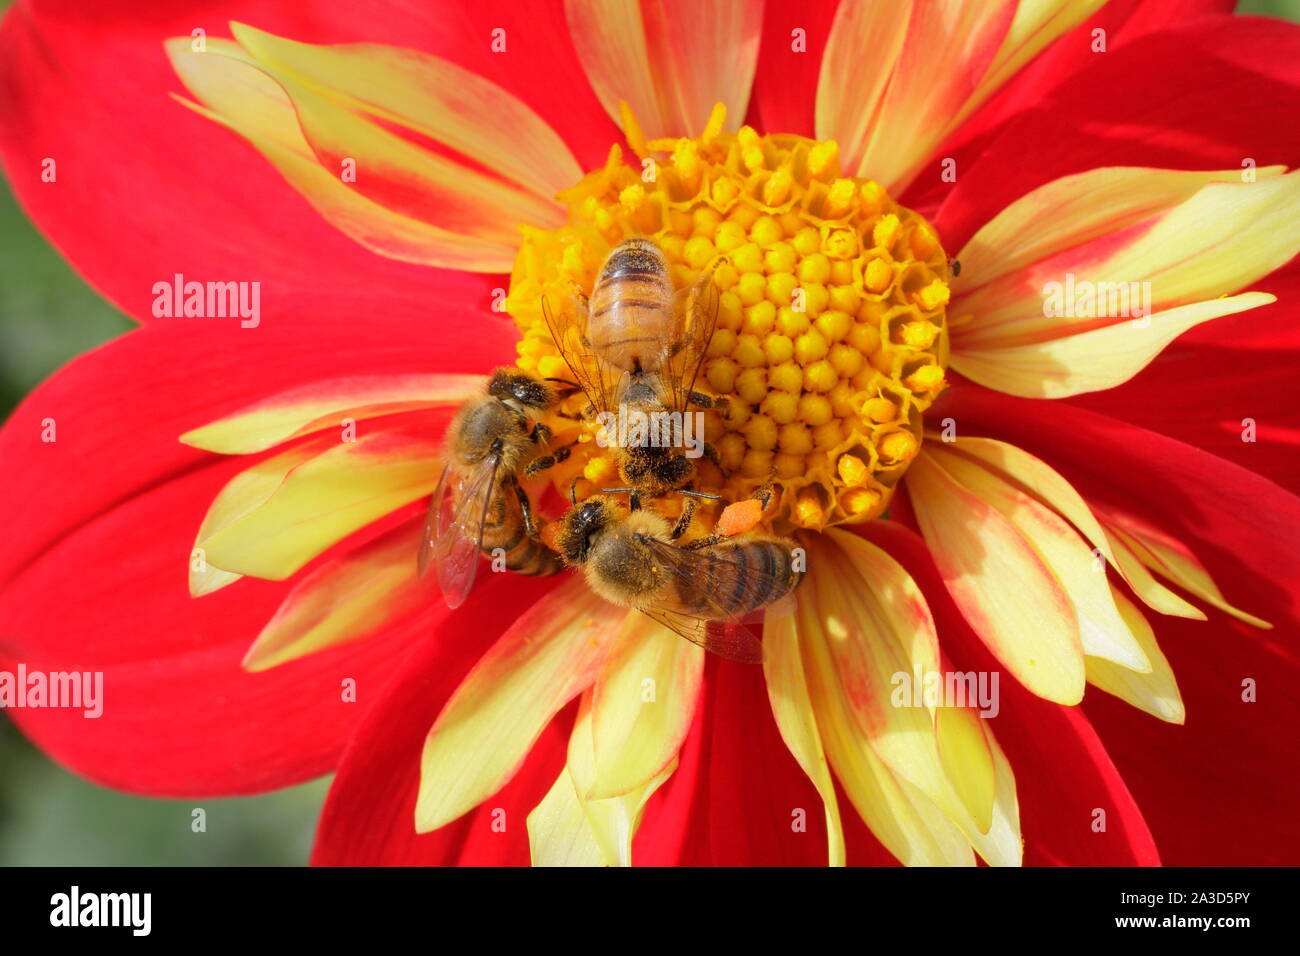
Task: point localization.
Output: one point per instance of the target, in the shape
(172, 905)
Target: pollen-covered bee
(478, 505)
(636, 347)
(700, 590)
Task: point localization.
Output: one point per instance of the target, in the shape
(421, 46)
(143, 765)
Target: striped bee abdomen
(503, 528)
(739, 577)
(629, 314)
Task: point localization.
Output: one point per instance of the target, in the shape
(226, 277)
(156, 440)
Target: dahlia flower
(1007, 306)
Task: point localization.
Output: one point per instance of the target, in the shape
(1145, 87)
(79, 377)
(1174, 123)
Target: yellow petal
(588, 832)
(966, 761)
(1102, 632)
(430, 95)
(1095, 360)
(319, 405)
(1003, 844)
(558, 831)
(643, 704)
(321, 501)
(851, 86)
(1002, 586)
(867, 619)
(548, 657)
(1102, 285)
(877, 629)
(240, 96)
(1174, 561)
(408, 178)
(908, 824)
(1155, 692)
(894, 74)
(242, 495)
(787, 689)
(670, 60)
(345, 600)
(1064, 214)
(1153, 594)
(1041, 480)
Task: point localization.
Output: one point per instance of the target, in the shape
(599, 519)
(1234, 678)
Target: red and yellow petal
(889, 109)
(348, 599)
(483, 735)
(78, 84)
(1030, 625)
(669, 60)
(1097, 273)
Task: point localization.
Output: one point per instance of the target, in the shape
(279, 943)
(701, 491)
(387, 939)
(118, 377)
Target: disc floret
(832, 337)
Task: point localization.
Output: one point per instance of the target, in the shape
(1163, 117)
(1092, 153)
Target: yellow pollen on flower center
(831, 338)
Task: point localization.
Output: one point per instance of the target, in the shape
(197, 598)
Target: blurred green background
(47, 815)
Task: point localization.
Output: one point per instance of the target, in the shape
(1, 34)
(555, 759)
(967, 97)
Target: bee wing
(710, 575)
(567, 321)
(696, 312)
(453, 529)
(728, 639)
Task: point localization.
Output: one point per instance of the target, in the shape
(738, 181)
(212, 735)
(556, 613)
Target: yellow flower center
(831, 338)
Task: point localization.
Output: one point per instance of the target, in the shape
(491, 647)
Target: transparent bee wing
(567, 322)
(728, 639)
(453, 528)
(718, 582)
(696, 312)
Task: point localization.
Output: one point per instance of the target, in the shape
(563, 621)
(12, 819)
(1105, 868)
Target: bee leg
(525, 507)
(711, 453)
(573, 386)
(540, 435)
(539, 465)
(763, 494)
(684, 522)
(700, 400)
(634, 496)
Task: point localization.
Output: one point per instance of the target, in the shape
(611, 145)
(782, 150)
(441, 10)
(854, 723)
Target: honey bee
(636, 345)
(700, 590)
(478, 505)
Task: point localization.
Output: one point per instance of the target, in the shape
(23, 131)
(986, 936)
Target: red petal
(180, 717)
(93, 566)
(1123, 22)
(1063, 772)
(785, 86)
(369, 815)
(1210, 802)
(1168, 99)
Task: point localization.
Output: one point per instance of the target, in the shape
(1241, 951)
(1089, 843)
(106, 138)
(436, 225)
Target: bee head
(510, 384)
(581, 526)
